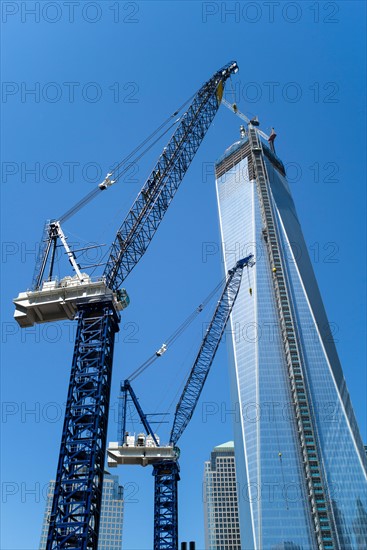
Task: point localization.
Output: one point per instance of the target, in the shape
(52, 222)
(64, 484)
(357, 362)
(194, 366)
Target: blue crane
(96, 305)
(165, 459)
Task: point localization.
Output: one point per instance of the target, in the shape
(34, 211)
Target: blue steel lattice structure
(112, 514)
(298, 448)
(166, 477)
(75, 514)
(166, 470)
(141, 223)
(166, 474)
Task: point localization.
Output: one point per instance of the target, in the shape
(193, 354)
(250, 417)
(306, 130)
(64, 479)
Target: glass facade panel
(274, 506)
(221, 501)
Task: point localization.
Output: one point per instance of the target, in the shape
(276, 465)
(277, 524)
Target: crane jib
(205, 357)
(146, 213)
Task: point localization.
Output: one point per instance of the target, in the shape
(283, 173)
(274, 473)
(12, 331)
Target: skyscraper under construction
(300, 462)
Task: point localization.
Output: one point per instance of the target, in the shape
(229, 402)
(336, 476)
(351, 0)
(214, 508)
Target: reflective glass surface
(273, 504)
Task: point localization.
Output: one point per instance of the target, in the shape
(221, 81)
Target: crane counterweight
(59, 300)
(139, 455)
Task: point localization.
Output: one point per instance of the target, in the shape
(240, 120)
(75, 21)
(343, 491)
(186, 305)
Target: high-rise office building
(222, 530)
(112, 514)
(300, 461)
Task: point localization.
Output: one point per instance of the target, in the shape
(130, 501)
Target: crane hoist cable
(183, 374)
(108, 181)
(232, 91)
(151, 136)
(116, 173)
(131, 414)
(176, 334)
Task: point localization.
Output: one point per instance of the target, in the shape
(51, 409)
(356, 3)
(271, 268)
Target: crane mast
(75, 513)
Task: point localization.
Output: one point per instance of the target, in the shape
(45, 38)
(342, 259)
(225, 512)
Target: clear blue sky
(104, 75)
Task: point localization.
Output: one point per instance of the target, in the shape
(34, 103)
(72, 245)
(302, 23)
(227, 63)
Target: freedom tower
(300, 462)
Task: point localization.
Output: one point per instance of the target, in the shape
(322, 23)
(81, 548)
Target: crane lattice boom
(200, 370)
(141, 223)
